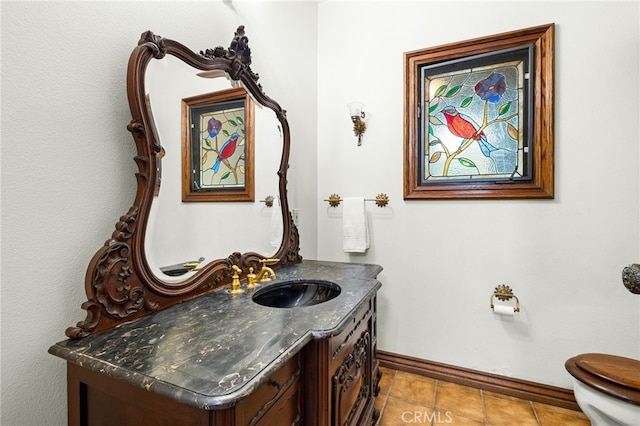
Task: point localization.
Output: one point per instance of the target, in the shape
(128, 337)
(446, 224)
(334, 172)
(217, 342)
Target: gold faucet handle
(236, 270)
(235, 280)
(266, 262)
(251, 278)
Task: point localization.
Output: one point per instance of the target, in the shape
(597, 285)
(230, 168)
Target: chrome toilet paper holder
(504, 293)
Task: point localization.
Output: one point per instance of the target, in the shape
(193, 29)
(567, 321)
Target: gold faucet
(266, 274)
(194, 266)
(235, 281)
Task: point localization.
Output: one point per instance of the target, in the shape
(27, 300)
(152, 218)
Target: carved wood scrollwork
(112, 281)
(119, 283)
(238, 53)
(155, 43)
(352, 372)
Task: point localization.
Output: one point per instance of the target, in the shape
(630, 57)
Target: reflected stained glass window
(221, 147)
(217, 146)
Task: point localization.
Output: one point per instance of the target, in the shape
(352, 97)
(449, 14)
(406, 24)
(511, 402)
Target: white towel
(355, 235)
(276, 224)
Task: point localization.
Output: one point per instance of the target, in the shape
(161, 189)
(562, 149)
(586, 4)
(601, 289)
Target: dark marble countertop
(211, 351)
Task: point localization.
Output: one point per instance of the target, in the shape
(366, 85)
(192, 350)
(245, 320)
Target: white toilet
(607, 388)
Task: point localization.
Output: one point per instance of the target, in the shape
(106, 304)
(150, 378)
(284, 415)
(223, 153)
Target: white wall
(67, 158)
(67, 176)
(443, 259)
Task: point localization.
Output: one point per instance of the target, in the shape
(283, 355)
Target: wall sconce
(357, 115)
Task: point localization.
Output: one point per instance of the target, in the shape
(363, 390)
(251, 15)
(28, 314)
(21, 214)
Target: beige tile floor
(411, 399)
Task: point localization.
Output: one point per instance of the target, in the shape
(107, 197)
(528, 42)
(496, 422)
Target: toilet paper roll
(504, 310)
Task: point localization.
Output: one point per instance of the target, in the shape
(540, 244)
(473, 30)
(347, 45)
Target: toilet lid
(616, 369)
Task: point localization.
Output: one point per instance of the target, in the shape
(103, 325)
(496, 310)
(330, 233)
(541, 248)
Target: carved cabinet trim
(351, 382)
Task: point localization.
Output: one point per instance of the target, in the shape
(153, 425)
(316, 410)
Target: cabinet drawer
(278, 393)
(286, 411)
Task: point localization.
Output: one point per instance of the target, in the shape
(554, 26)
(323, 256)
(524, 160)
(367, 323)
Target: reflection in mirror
(217, 146)
(181, 233)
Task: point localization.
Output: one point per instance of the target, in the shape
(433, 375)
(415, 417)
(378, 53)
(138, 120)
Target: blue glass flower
(491, 88)
(213, 127)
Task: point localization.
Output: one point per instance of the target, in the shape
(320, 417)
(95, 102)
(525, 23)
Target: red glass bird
(464, 127)
(226, 151)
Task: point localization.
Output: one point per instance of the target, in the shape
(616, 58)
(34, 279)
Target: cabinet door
(352, 366)
(352, 383)
(96, 399)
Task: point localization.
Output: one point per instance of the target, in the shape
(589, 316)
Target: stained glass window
(473, 118)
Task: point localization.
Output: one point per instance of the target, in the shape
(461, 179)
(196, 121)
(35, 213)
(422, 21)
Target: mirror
(124, 279)
(180, 231)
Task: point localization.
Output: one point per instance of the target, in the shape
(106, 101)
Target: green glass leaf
(466, 162)
(433, 107)
(240, 120)
(226, 132)
(434, 142)
(233, 123)
(226, 175)
(430, 130)
(207, 142)
(453, 91)
(435, 120)
(440, 90)
(504, 108)
(466, 102)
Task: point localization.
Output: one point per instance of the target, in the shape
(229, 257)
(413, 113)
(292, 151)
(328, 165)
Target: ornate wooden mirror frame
(119, 283)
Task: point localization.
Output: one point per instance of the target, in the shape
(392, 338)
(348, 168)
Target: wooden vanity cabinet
(332, 381)
(96, 399)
